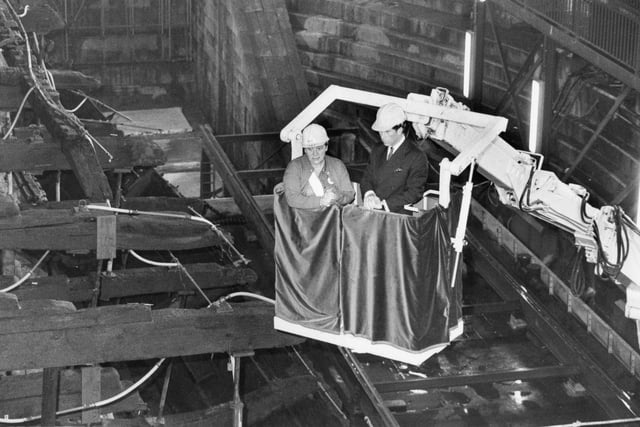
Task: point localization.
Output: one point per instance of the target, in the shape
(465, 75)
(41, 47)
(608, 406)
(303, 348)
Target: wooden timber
(134, 332)
(131, 282)
(259, 404)
(224, 206)
(239, 191)
(20, 395)
(127, 152)
(65, 127)
(76, 231)
(11, 78)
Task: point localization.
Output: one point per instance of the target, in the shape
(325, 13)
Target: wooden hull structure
(114, 283)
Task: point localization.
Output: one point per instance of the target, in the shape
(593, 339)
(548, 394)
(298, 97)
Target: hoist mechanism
(608, 236)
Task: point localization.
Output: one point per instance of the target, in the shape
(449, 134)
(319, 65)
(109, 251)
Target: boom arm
(604, 233)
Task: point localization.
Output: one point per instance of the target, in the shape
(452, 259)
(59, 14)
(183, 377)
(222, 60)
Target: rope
(98, 404)
(26, 276)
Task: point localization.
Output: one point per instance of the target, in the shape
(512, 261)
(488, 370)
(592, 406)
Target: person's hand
(371, 201)
(329, 197)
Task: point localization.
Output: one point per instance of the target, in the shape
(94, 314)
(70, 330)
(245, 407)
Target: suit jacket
(298, 191)
(400, 180)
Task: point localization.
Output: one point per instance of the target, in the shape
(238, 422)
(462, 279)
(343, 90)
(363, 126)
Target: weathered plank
(220, 205)
(107, 315)
(66, 230)
(130, 282)
(259, 404)
(65, 128)
(242, 196)
(75, 290)
(20, 395)
(171, 332)
(127, 152)
(142, 281)
(64, 79)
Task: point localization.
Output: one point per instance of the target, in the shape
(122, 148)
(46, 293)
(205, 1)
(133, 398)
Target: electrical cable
(608, 268)
(150, 262)
(583, 208)
(197, 218)
(526, 193)
(244, 294)
(26, 276)
(73, 110)
(93, 405)
(15, 120)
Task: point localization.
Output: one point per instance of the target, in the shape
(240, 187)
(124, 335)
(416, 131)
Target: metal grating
(611, 27)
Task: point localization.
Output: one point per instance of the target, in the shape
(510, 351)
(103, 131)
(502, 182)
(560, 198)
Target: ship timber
(140, 150)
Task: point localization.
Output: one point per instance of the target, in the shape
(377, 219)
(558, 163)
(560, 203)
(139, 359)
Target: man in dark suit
(397, 171)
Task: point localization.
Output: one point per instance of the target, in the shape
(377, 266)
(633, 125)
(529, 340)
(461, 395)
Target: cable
(244, 294)
(150, 262)
(73, 110)
(583, 208)
(26, 276)
(608, 268)
(198, 218)
(15, 120)
(98, 404)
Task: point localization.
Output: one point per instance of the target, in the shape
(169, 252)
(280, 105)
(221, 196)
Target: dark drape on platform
(395, 277)
(307, 256)
(381, 277)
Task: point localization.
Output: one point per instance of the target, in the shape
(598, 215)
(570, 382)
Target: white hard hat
(314, 135)
(388, 116)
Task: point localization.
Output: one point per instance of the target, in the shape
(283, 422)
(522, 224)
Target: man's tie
(389, 153)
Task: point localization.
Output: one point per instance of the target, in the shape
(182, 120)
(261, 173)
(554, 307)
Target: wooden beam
(78, 338)
(64, 79)
(22, 394)
(80, 152)
(50, 381)
(154, 280)
(241, 194)
(131, 282)
(65, 127)
(224, 206)
(127, 152)
(260, 404)
(66, 230)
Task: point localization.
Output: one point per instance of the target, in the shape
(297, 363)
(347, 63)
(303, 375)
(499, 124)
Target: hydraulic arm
(609, 238)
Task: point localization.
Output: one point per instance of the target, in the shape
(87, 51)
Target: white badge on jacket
(316, 185)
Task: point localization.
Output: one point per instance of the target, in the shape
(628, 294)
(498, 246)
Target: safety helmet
(314, 135)
(388, 116)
